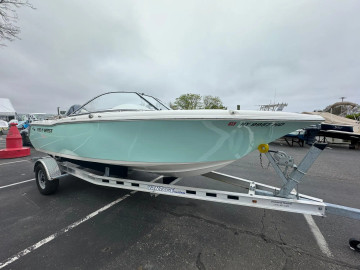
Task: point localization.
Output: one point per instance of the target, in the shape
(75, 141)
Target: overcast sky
(305, 53)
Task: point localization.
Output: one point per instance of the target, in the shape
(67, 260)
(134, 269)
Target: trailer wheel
(354, 244)
(45, 186)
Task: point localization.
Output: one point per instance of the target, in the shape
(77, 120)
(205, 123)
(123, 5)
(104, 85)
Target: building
(7, 111)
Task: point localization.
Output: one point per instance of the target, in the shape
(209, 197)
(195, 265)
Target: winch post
(298, 173)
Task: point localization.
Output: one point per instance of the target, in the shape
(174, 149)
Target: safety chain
(261, 163)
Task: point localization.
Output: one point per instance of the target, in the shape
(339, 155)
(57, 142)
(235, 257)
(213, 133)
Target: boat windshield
(154, 101)
(118, 101)
(39, 116)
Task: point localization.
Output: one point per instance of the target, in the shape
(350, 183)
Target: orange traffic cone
(14, 146)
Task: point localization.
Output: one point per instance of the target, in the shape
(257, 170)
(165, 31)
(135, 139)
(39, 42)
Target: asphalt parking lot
(138, 231)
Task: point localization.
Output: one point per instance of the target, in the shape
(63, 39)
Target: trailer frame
(286, 198)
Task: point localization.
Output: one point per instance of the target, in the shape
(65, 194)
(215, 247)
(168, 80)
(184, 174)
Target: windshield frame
(75, 113)
(156, 99)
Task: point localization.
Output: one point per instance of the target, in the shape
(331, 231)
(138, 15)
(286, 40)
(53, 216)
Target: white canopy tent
(7, 111)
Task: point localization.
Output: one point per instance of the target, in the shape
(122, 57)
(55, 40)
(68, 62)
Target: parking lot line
(64, 230)
(14, 162)
(18, 183)
(318, 236)
(57, 234)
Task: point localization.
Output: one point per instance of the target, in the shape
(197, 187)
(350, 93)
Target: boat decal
(165, 189)
(46, 130)
(262, 124)
(281, 203)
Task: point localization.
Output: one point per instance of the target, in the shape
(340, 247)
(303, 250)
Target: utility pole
(342, 99)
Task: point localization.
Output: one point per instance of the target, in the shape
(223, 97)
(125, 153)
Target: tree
(211, 102)
(187, 102)
(354, 116)
(8, 18)
(195, 102)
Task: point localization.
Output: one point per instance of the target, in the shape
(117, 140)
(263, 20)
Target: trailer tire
(354, 244)
(45, 186)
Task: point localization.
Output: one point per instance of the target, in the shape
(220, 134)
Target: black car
(25, 136)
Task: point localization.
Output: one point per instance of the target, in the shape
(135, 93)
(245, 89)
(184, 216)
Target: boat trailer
(48, 170)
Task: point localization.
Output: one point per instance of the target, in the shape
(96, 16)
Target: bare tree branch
(8, 19)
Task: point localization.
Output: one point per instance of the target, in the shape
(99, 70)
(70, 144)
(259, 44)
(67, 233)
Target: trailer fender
(51, 167)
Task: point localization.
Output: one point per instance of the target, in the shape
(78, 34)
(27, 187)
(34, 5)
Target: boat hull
(170, 147)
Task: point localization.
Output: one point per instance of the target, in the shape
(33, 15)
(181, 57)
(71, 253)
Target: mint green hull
(156, 141)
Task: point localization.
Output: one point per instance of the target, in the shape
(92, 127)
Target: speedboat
(139, 132)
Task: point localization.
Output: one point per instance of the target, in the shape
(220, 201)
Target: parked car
(3, 126)
(25, 136)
